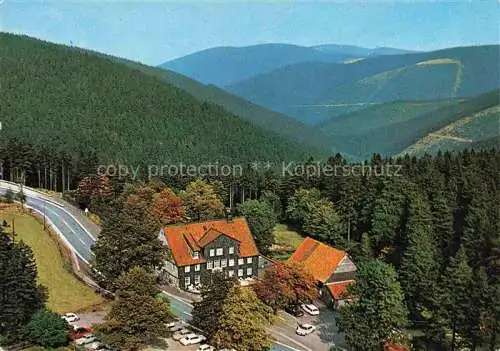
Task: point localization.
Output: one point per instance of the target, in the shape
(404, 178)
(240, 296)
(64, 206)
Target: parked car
(193, 289)
(96, 345)
(311, 309)
(294, 310)
(171, 324)
(181, 333)
(304, 329)
(79, 332)
(205, 347)
(176, 327)
(87, 339)
(191, 339)
(70, 317)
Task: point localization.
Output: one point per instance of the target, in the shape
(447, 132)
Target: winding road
(71, 230)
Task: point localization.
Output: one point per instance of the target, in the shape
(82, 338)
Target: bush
(47, 329)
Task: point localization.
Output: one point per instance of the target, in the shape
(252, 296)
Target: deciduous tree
(261, 220)
(167, 206)
(201, 201)
(286, 284)
(243, 322)
(207, 312)
(138, 316)
(126, 242)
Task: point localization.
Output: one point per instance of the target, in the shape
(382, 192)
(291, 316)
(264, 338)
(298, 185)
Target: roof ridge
(341, 282)
(207, 230)
(311, 250)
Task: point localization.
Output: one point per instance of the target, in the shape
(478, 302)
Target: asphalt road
(70, 229)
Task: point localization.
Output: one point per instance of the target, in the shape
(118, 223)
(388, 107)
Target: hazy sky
(155, 31)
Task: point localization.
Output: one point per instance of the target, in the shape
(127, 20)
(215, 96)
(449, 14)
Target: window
(249, 271)
(197, 267)
(216, 264)
(231, 262)
(210, 265)
(220, 251)
(187, 269)
(187, 281)
(231, 250)
(196, 255)
(241, 261)
(249, 260)
(197, 279)
(230, 273)
(223, 263)
(212, 252)
(240, 272)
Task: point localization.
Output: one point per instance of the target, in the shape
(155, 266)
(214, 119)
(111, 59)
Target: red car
(79, 332)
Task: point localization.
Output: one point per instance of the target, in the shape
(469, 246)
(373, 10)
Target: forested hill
(72, 101)
(285, 126)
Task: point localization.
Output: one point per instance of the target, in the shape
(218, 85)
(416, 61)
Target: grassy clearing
(66, 292)
(286, 240)
(286, 236)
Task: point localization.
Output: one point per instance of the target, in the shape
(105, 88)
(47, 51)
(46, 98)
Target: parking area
(325, 335)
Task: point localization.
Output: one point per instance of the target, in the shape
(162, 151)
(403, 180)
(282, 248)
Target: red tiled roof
(320, 259)
(394, 347)
(200, 234)
(191, 242)
(339, 290)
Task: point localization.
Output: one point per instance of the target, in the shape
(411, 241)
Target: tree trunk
(231, 196)
(62, 175)
(453, 333)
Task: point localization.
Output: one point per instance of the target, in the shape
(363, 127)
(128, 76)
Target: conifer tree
(377, 313)
(419, 266)
(454, 300)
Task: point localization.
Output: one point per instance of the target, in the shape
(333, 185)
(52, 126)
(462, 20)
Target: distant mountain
(415, 127)
(357, 51)
(223, 66)
(227, 65)
(313, 92)
(72, 101)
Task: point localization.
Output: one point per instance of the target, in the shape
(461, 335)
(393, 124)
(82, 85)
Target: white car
(171, 325)
(191, 339)
(205, 347)
(96, 345)
(176, 327)
(70, 317)
(87, 339)
(181, 333)
(311, 309)
(304, 329)
(194, 289)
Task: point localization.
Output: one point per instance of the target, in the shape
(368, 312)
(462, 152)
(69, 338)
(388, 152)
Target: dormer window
(196, 255)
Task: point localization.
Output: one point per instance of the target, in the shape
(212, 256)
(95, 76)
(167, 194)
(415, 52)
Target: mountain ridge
(225, 65)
